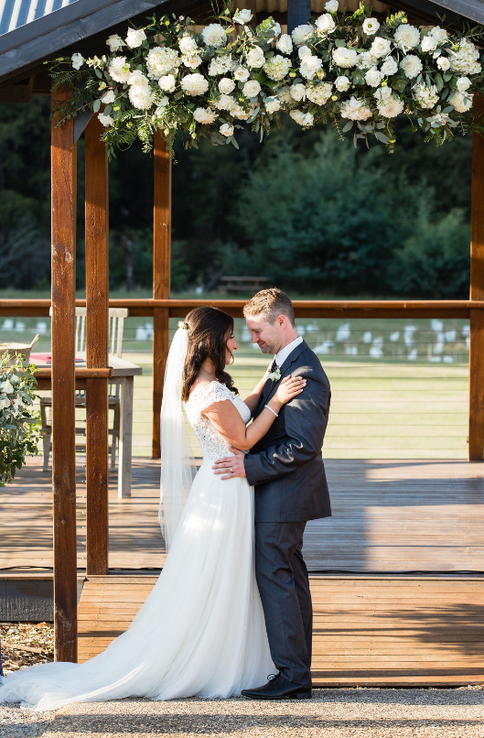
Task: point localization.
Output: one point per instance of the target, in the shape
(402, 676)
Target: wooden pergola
(83, 26)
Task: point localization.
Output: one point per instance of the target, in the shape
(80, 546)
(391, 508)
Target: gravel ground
(332, 713)
(26, 644)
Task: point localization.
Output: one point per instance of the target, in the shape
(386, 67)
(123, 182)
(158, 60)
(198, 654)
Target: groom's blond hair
(270, 303)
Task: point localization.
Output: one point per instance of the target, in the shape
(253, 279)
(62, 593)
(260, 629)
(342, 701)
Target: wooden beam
(161, 277)
(63, 184)
(97, 336)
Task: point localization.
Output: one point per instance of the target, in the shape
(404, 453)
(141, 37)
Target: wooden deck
(368, 631)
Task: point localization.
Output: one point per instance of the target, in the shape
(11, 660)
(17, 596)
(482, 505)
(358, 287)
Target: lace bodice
(213, 445)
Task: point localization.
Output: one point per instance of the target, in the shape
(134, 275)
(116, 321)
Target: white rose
(188, 46)
(135, 38)
(380, 47)
(332, 6)
(428, 43)
(214, 35)
(310, 66)
(115, 42)
(206, 116)
(407, 37)
(306, 120)
(276, 28)
(391, 107)
(463, 84)
(243, 16)
(241, 74)
(4, 403)
(320, 94)
(373, 77)
(194, 84)
(251, 88)
(226, 130)
(284, 44)
(443, 63)
(298, 92)
(389, 67)
(77, 61)
(440, 34)
(225, 102)
(301, 34)
(256, 58)
(370, 26)
(344, 57)
(342, 84)
(226, 85)
(119, 69)
(272, 105)
(383, 93)
(140, 96)
(462, 103)
(304, 51)
(108, 98)
(106, 120)
(6, 388)
(411, 65)
(167, 83)
(137, 78)
(325, 23)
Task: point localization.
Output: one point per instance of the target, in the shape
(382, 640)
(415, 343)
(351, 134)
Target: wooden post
(97, 331)
(63, 185)
(161, 277)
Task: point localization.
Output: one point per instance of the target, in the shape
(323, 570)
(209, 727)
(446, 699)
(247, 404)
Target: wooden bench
(242, 284)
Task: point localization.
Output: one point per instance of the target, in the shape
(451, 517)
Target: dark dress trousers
(287, 471)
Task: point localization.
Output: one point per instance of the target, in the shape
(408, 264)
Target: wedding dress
(201, 632)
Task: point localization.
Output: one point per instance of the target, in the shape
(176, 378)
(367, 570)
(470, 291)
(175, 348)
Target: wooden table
(120, 372)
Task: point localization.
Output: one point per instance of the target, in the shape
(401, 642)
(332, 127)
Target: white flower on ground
(440, 34)
(284, 44)
(161, 60)
(138, 78)
(325, 23)
(443, 63)
(192, 62)
(298, 92)
(251, 88)
(332, 6)
(380, 47)
(140, 96)
(342, 84)
(6, 387)
(306, 120)
(463, 84)
(167, 83)
(301, 34)
(225, 102)
(256, 58)
(366, 60)
(390, 107)
(221, 65)
(465, 59)
(272, 105)
(119, 69)
(429, 43)
(108, 98)
(355, 109)
(206, 116)
(373, 77)
(411, 65)
(310, 66)
(407, 37)
(241, 74)
(214, 35)
(462, 103)
(389, 67)
(426, 96)
(188, 46)
(243, 16)
(135, 38)
(277, 67)
(226, 85)
(115, 42)
(194, 84)
(106, 120)
(226, 130)
(304, 51)
(77, 61)
(320, 94)
(345, 58)
(370, 26)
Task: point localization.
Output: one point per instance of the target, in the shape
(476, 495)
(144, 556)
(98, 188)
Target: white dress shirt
(282, 355)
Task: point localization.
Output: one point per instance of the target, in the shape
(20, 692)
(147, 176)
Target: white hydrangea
(277, 67)
(188, 46)
(310, 66)
(462, 103)
(140, 96)
(77, 61)
(355, 109)
(306, 120)
(373, 77)
(226, 85)
(463, 84)
(251, 88)
(221, 65)
(345, 58)
(429, 43)
(389, 67)
(243, 16)
(167, 82)
(411, 65)
(205, 116)
(256, 58)
(106, 120)
(108, 98)
(380, 47)
(214, 35)
(272, 105)
(366, 60)
(465, 59)
(407, 37)
(443, 63)
(161, 60)
(241, 74)
(135, 38)
(192, 62)
(342, 84)
(390, 107)
(370, 26)
(301, 34)
(332, 6)
(225, 102)
(115, 42)
(226, 130)
(119, 69)
(284, 44)
(426, 96)
(298, 92)
(320, 94)
(440, 34)
(194, 84)
(325, 24)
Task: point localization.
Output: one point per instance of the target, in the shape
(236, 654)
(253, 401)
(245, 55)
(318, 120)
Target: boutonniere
(275, 375)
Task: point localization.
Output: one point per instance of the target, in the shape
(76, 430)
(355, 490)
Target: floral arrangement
(18, 433)
(349, 69)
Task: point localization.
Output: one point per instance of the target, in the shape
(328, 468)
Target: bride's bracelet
(272, 411)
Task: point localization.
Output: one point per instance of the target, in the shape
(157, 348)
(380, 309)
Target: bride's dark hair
(207, 339)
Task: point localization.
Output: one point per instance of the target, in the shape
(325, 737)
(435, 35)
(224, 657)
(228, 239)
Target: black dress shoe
(279, 688)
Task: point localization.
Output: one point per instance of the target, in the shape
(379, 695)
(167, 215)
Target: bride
(201, 632)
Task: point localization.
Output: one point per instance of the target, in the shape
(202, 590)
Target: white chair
(115, 348)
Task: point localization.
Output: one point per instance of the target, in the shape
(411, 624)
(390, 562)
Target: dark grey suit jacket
(285, 466)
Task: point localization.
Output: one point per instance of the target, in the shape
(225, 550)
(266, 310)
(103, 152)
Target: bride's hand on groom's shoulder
(288, 388)
(231, 466)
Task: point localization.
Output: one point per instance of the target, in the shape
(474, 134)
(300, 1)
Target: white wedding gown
(201, 631)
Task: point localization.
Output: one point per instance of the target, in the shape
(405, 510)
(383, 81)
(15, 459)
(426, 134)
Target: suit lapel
(269, 387)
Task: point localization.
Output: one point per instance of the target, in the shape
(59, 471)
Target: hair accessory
(183, 325)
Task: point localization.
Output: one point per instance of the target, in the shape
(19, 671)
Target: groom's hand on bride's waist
(231, 466)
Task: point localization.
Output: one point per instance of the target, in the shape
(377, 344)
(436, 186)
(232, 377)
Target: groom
(287, 471)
